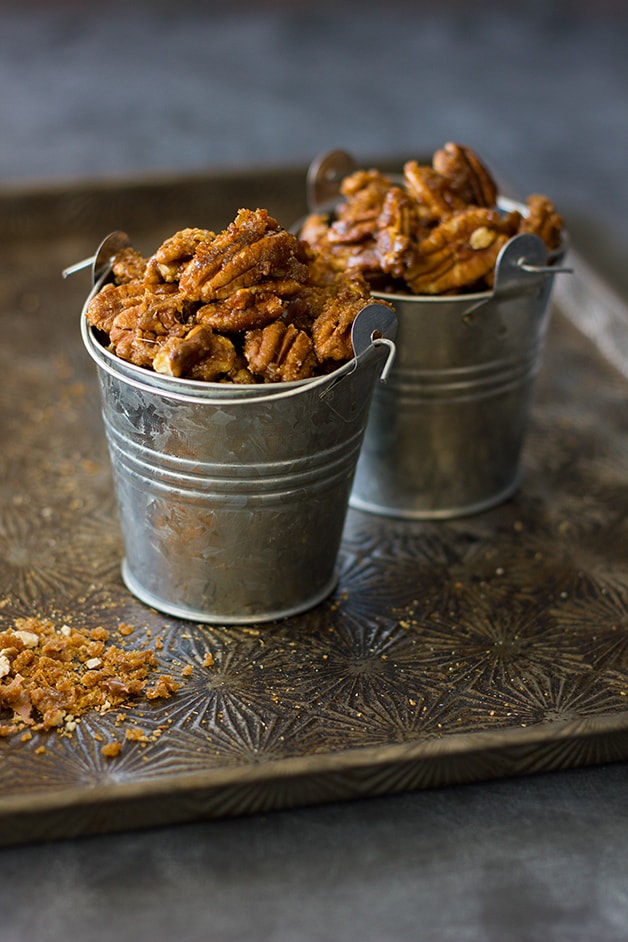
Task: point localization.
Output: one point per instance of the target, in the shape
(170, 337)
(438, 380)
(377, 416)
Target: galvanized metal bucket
(445, 435)
(232, 499)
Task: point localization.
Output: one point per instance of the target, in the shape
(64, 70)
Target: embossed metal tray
(451, 651)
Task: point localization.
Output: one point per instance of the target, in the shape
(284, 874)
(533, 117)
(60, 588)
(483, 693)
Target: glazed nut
(279, 352)
(543, 220)
(459, 252)
(468, 177)
(178, 356)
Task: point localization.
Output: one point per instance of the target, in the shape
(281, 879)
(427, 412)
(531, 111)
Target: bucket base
(432, 513)
(222, 618)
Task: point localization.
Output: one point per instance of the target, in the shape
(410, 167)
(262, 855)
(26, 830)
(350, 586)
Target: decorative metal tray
(453, 651)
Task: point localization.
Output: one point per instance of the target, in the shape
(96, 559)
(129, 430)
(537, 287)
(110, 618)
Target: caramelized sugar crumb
(52, 675)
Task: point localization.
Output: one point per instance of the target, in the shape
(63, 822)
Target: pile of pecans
(437, 231)
(251, 304)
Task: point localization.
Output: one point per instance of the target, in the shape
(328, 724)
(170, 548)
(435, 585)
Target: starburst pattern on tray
(491, 646)
(34, 564)
(600, 620)
(558, 698)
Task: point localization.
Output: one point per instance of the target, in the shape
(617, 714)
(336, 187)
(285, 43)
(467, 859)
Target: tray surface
(451, 651)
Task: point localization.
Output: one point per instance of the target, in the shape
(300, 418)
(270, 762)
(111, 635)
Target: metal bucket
(445, 435)
(232, 499)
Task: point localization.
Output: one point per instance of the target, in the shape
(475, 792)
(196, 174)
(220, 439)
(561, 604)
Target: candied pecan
(240, 373)
(156, 311)
(468, 177)
(248, 308)
(130, 345)
(128, 265)
(272, 255)
(352, 229)
(397, 228)
(216, 259)
(162, 309)
(276, 254)
(279, 352)
(369, 185)
(331, 330)
(200, 354)
(167, 262)
(435, 199)
(356, 219)
(105, 306)
(338, 257)
(315, 232)
(543, 220)
(345, 243)
(139, 327)
(460, 251)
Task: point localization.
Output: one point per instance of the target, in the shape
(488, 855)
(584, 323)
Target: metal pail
(232, 499)
(445, 434)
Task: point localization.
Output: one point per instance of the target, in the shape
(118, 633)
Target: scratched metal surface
(451, 651)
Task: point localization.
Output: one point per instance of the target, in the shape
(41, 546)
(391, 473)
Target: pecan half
(110, 301)
(543, 220)
(212, 258)
(398, 227)
(331, 330)
(201, 354)
(461, 251)
(468, 177)
(248, 308)
(435, 199)
(246, 256)
(172, 255)
(356, 219)
(129, 265)
(280, 352)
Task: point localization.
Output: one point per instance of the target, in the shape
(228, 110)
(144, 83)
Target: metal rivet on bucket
(232, 499)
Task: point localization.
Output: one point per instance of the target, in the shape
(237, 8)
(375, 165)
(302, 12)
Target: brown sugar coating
(251, 304)
(438, 231)
(52, 675)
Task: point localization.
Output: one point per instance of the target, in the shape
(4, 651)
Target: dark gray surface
(92, 91)
(540, 858)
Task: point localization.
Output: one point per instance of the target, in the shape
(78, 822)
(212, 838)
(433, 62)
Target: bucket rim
(200, 391)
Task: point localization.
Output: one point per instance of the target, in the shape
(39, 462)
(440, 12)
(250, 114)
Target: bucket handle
(374, 326)
(324, 177)
(103, 258)
(523, 259)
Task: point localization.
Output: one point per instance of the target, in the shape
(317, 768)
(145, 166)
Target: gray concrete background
(541, 91)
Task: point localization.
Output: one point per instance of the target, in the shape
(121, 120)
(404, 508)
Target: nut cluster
(251, 304)
(439, 231)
